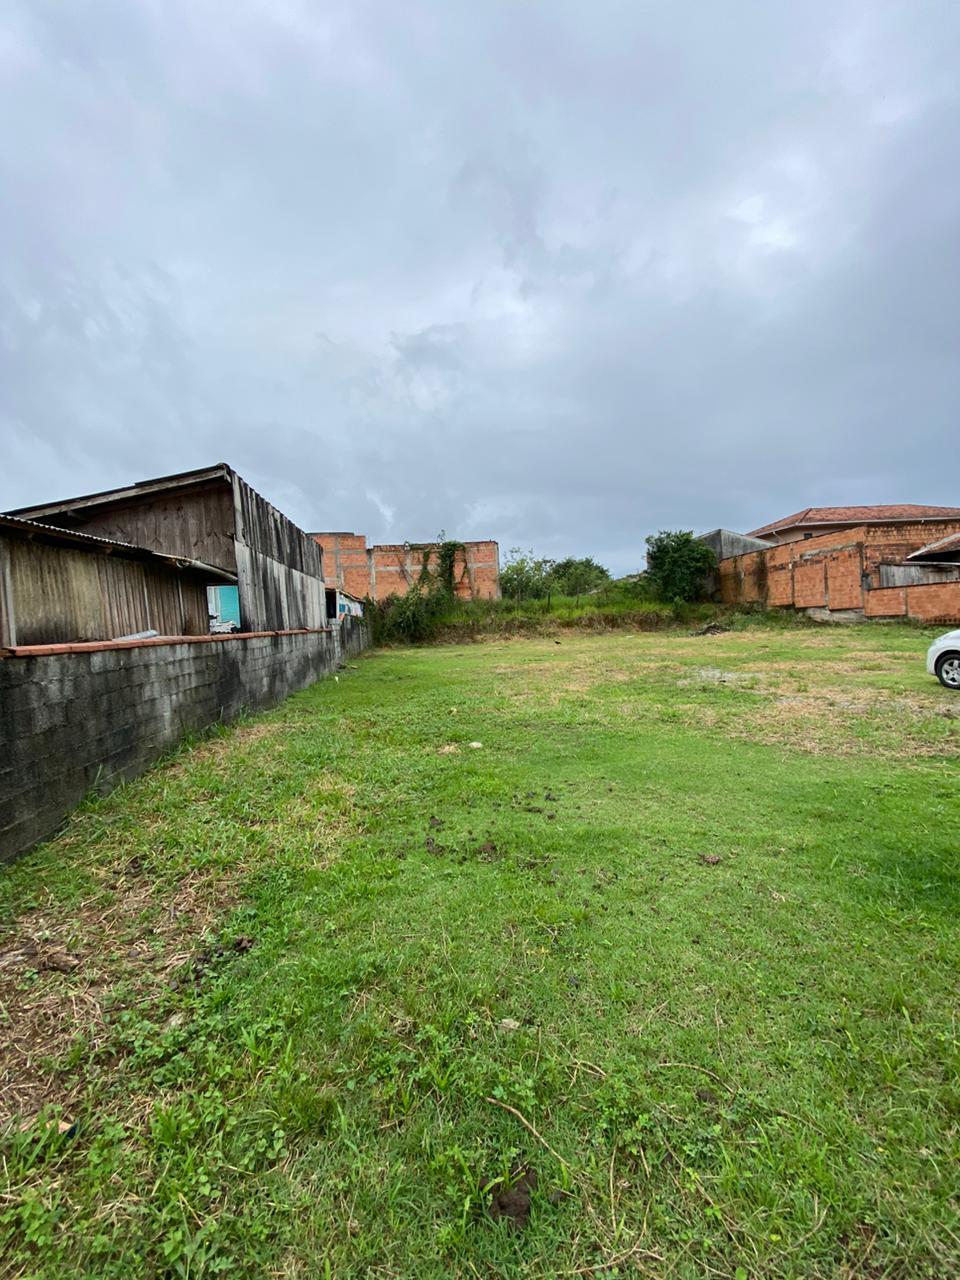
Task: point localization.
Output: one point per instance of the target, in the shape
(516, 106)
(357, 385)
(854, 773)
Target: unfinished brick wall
(845, 578)
(886, 602)
(345, 562)
(839, 570)
(392, 568)
(743, 579)
(779, 576)
(891, 544)
(934, 602)
(929, 602)
(810, 584)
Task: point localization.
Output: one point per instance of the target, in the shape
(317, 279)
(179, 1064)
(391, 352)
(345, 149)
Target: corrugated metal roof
(950, 543)
(893, 513)
(35, 530)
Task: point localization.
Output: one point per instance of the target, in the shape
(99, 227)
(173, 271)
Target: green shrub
(677, 565)
(415, 617)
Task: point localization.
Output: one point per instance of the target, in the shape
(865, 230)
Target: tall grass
(426, 616)
(475, 618)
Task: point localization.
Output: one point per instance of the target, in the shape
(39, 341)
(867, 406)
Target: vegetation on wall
(416, 616)
(539, 593)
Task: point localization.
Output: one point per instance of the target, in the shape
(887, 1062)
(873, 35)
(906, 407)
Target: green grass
(681, 936)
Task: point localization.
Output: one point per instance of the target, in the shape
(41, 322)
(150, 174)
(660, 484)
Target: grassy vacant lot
(658, 980)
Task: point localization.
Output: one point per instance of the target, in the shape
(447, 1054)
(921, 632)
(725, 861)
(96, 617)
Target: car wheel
(948, 670)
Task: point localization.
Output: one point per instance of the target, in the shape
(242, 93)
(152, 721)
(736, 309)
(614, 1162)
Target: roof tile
(895, 513)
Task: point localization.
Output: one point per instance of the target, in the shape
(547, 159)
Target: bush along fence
(88, 716)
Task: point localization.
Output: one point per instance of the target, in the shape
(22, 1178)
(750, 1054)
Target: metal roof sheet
(35, 530)
(950, 543)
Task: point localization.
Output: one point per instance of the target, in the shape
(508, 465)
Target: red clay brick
(844, 585)
(393, 568)
(829, 570)
(809, 584)
(934, 602)
(886, 602)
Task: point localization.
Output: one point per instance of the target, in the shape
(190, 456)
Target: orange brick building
(391, 569)
(889, 565)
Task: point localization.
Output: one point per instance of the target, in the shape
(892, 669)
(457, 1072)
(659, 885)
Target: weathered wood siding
(909, 575)
(196, 523)
(65, 594)
(278, 567)
(221, 521)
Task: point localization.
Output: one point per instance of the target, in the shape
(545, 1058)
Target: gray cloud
(554, 273)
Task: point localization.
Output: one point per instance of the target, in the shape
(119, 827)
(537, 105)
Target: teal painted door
(225, 602)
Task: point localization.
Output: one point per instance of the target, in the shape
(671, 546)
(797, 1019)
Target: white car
(943, 659)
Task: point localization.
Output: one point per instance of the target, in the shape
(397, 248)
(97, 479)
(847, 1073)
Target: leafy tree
(677, 565)
(572, 577)
(524, 576)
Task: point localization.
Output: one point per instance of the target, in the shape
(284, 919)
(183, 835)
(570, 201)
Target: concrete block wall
(352, 636)
(75, 717)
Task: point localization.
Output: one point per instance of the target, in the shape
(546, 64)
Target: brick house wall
(890, 544)
(392, 568)
(839, 570)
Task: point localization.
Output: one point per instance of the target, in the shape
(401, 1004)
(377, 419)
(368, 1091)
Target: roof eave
(851, 523)
(180, 480)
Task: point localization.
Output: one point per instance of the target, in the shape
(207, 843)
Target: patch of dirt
(256, 732)
(714, 675)
(831, 719)
(57, 972)
(208, 959)
(809, 670)
(821, 722)
(511, 1202)
(62, 968)
(31, 954)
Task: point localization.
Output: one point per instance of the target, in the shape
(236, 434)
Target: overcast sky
(558, 273)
